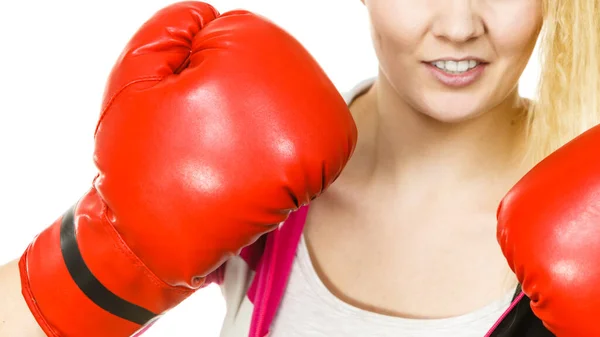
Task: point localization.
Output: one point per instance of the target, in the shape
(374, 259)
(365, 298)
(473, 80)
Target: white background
(55, 56)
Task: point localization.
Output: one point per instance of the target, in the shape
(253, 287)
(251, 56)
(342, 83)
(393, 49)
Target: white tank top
(309, 309)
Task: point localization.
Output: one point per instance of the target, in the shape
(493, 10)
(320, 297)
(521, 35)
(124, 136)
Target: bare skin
(409, 231)
(15, 317)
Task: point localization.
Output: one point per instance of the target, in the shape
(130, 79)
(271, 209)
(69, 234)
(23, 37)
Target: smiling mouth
(456, 67)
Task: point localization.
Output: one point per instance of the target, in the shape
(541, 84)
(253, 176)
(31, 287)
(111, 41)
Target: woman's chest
(308, 308)
(408, 264)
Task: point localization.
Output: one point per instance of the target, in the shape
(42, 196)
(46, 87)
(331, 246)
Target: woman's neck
(400, 143)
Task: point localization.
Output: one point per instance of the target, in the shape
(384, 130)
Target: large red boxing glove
(549, 231)
(213, 129)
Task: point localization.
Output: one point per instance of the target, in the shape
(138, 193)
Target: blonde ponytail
(567, 101)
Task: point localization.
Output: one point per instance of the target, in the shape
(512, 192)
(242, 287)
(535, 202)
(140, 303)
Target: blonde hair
(567, 100)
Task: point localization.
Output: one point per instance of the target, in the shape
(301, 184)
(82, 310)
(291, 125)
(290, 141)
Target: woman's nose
(457, 21)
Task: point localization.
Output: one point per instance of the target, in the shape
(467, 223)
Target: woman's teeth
(456, 67)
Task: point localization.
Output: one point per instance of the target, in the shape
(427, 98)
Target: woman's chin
(452, 115)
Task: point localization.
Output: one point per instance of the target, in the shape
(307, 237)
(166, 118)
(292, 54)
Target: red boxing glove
(213, 129)
(549, 231)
